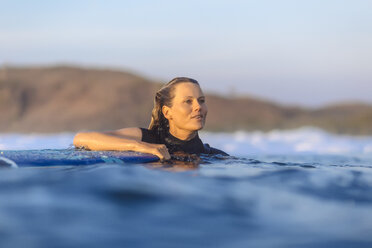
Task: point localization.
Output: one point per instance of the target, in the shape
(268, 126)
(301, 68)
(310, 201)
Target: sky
(307, 53)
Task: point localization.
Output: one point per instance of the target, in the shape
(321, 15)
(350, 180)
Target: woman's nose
(197, 106)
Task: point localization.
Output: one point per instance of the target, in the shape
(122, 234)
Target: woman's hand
(159, 150)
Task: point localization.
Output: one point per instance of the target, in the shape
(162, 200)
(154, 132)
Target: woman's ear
(166, 112)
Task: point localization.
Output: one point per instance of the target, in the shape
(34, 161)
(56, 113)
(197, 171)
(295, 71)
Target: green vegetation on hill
(55, 99)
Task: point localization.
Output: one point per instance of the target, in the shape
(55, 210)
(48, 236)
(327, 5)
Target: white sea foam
(16, 141)
(303, 140)
(307, 140)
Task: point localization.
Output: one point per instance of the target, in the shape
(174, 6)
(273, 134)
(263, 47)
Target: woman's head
(180, 104)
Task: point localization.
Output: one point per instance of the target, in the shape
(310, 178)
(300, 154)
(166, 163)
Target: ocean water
(296, 188)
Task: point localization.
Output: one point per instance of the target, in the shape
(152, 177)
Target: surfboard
(70, 157)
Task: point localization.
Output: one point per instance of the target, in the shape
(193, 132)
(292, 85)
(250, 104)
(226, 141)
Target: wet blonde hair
(164, 97)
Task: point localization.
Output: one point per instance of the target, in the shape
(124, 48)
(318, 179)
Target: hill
(65, 98)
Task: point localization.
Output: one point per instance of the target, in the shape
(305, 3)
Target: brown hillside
(66, 98)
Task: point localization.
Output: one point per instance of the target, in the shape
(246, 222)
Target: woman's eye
(188, 101)
(202, 100)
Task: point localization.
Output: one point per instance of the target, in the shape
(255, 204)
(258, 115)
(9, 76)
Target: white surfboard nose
(4, 162)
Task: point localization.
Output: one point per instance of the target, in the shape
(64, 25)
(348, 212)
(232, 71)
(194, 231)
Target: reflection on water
(183, 162)
(176, 164)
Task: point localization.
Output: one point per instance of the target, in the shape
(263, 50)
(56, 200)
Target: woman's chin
(196, 126)
(199, 127)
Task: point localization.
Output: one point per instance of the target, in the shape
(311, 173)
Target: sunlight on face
(188, 111)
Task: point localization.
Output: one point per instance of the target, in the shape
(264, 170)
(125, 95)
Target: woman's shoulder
(213, 151)
(149, 136)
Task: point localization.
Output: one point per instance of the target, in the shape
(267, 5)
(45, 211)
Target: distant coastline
(69, 98)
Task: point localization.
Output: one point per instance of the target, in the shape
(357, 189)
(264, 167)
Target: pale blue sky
(303, 52)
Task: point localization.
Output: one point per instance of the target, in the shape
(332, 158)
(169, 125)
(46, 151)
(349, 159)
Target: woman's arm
(126, 139)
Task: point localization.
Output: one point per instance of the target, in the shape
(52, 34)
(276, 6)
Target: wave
(306, 140)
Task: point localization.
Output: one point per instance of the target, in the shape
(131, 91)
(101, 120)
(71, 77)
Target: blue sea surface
(258, 199)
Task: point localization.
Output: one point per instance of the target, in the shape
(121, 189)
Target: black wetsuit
(193, 146)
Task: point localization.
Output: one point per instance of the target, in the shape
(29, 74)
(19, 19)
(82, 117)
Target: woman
(179, 112)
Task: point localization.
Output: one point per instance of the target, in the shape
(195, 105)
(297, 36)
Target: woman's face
(188, 111)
